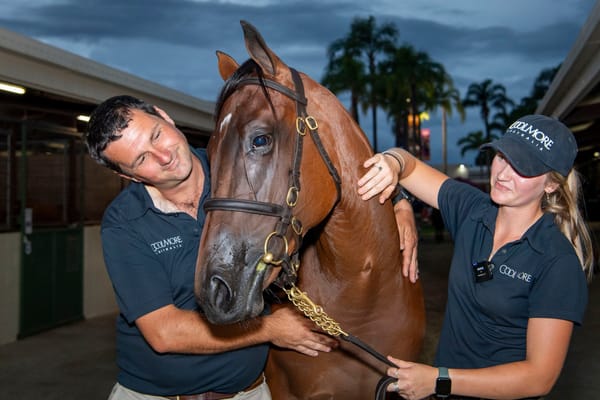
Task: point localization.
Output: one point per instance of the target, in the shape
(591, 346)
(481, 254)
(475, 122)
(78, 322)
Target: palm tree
(414, 83)
(345, 72)
(472, 142)
(485, 95)
(529, 104)
(447, 97)
(502, 117)
(370, 40)
(396, 91)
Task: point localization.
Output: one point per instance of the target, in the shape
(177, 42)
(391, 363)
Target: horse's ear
(227, 65)
(258, 49)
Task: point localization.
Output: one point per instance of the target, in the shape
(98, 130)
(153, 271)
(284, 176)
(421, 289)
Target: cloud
(173, 42)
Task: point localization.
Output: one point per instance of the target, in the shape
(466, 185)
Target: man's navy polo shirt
(537, 276)
(151, 259)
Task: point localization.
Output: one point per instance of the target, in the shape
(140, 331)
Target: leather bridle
(304, 123)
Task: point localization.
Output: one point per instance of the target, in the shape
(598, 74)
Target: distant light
(596, 154)
(581, 127)
(7, 87)
(83, 118)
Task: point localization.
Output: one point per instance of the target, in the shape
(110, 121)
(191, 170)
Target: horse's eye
(261, 141)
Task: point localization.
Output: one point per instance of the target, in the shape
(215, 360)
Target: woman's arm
(547, 345)
(386, 169)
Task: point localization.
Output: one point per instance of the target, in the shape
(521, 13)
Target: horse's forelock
(247, 69)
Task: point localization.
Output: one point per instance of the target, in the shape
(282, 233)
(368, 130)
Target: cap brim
(518, 155)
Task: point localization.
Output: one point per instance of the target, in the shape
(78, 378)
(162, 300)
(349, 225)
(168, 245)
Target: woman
(517, 281)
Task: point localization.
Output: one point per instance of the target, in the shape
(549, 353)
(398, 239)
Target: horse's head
(270, 183)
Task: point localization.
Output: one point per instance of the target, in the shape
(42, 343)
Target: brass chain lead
(313, 311)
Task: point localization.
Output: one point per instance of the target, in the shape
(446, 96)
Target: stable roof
(60, 84)
(574, 95)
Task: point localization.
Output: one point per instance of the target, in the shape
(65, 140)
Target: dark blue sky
(173, 42)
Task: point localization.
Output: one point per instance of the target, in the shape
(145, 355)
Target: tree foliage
(404, 81)
(354, 58)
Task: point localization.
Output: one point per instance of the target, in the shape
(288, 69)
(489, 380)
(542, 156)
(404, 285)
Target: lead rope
(316, 314)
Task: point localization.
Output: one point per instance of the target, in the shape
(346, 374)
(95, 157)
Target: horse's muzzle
(227, 297)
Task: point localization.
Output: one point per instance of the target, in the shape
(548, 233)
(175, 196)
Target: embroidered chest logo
(514, 274)
(168, 244)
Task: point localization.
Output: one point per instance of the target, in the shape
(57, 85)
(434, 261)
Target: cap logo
(533, 135)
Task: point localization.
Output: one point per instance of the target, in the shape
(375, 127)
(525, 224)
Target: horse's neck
(360, 235)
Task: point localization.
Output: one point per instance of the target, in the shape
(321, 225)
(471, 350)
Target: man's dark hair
(108, 121)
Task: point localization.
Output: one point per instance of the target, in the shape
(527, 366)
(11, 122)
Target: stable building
(53, 194)
(574, 98)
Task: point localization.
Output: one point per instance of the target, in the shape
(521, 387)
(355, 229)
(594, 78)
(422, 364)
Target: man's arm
(407, 230)
(170, 329)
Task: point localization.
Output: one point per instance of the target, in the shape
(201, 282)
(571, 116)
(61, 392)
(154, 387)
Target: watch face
(442, 386)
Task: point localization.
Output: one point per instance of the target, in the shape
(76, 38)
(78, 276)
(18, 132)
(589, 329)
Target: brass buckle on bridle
(267, 257)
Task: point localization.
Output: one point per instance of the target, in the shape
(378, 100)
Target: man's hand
(407, 230)
(288, 328)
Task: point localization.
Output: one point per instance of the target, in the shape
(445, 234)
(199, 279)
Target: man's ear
(124, 176)
(164, 115)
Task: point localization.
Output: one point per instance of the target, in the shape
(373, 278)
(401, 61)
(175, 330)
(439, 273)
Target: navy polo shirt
(151, 259)
(537, 276)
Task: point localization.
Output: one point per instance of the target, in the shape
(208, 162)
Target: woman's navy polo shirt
(537, 276)
(151, 259)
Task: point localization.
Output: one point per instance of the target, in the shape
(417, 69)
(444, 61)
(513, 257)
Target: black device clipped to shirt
(482, 271)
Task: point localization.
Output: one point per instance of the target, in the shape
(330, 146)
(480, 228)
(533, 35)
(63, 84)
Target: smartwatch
(443, 384)
(399, 194)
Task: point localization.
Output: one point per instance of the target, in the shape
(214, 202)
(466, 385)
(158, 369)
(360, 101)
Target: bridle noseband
(304, 123)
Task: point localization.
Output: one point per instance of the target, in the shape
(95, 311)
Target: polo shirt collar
(139, 203)
(535, 235)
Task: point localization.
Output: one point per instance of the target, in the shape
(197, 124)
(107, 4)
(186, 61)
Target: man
(150, 236)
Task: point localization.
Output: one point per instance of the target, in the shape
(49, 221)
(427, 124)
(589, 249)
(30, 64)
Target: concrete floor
(77, 361)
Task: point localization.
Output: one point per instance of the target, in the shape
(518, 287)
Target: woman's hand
(381, 178)
(415, 381)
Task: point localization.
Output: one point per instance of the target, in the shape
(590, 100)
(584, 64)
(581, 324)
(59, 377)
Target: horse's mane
(247, 69)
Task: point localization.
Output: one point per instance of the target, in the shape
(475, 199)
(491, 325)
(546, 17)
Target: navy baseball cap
(536, 144)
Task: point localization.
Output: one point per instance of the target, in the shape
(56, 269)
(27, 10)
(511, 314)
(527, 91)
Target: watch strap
(443, 373)
(400, 194)
(443, 384)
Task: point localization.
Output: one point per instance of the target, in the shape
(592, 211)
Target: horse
(285, 158)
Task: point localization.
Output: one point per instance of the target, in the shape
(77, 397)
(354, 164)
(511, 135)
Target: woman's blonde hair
(564, 204)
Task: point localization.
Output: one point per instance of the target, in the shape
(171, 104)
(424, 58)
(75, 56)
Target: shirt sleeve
(139, 280)
(457, 201)
(560, 291)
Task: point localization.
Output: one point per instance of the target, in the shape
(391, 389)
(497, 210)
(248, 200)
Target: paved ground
(76, 361)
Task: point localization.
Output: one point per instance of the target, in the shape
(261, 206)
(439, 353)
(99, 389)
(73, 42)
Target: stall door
(52, 233)
(52, 277)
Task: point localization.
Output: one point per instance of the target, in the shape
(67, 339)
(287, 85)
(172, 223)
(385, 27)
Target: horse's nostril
(221, 292)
